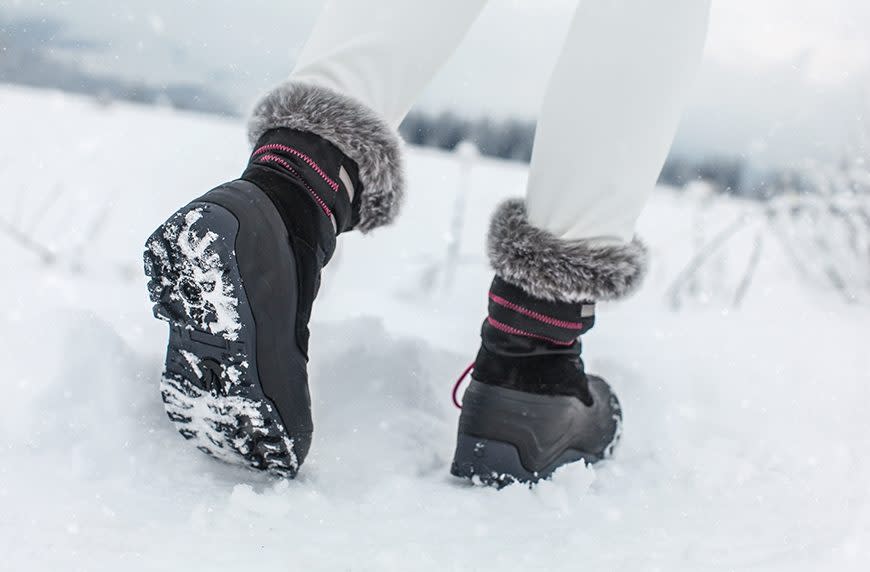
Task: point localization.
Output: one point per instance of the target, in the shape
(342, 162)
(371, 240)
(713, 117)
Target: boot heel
(494, 463)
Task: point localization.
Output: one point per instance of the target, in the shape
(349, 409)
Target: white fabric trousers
(609, 114)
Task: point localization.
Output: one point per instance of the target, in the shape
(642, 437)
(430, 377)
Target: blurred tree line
(513, 138)
(506, 138)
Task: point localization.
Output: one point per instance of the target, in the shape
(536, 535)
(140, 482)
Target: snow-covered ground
(746, 442)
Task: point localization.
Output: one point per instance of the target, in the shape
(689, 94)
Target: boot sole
(206, 281)
(498, 464)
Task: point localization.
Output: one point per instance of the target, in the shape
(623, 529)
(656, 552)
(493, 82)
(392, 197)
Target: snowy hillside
(746, 442)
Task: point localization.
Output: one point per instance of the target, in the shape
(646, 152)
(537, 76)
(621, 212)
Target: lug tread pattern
(210, 387)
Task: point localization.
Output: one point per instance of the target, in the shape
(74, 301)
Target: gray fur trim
(553, 269)
(352, 127)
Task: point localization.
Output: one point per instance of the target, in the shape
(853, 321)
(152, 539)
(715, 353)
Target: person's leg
(608, 118)
(236, 271)
(610, 114)
(383, 52)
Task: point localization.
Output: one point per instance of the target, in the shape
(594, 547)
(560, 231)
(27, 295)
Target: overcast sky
(782, 79)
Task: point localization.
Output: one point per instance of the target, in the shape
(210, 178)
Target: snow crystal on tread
(233, 373)
(608, 451)
(192, 361)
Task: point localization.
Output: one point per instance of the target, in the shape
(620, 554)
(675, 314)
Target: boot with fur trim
(531, 407)
(235, 272)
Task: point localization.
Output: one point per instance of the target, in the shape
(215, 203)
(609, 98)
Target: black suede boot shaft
(533, 345)
(313, 167)
(316, 190)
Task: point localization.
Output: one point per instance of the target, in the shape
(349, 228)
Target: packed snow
(200, 265)
(745, 446)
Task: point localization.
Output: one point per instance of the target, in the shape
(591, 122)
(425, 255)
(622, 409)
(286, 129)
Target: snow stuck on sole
(209, 389)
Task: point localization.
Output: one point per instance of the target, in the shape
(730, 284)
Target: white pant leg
(383, 52)
(610, 114)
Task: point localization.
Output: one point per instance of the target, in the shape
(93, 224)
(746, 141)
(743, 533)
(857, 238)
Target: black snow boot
(531, 407)
(236, 271)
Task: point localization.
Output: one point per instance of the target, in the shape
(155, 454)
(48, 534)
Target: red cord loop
(458, 384)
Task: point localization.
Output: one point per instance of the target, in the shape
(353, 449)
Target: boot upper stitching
(517, 332)
(286, 165)
(535, 315)
(308, 160)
